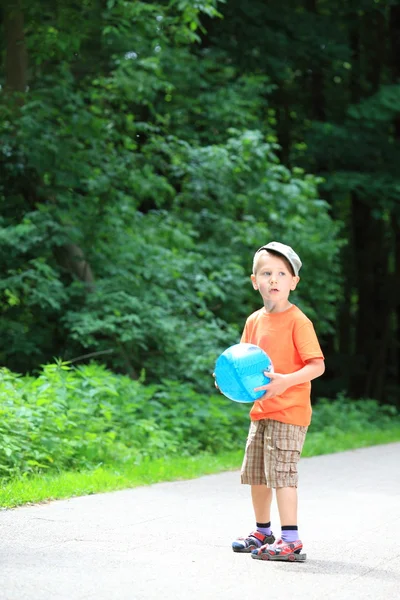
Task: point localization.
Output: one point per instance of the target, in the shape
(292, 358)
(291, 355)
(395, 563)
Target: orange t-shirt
(290, 341)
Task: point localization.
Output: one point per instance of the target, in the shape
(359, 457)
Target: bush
(79, 418)
(74, 418)
(344, 414)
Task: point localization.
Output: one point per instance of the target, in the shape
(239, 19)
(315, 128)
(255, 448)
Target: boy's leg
(286, 498)
(253, 473)
(261, 496)
(288, 443)
(281, 467)
(289, 547)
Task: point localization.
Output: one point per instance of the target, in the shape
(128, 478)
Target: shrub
(73, 418)
(70, 418)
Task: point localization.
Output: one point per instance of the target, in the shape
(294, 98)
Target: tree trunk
(16, 62)
(355, 83)
(283, 127)
(72, 258)
(346, 324)
(374, 36)
(69, 256)
(372, 246)
(317, 78)
(345, 317)
(396, 333)
(394, 30)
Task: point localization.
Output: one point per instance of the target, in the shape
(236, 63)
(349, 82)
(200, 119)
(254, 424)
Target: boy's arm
(280, 383)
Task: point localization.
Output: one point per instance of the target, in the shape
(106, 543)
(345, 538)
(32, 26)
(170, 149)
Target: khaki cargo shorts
(272, 452)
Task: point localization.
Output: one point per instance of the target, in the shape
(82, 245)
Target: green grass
(322, 443)
(42, 488)
(115, 477)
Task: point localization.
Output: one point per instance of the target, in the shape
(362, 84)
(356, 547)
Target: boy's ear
(254, 281)
(294, 283)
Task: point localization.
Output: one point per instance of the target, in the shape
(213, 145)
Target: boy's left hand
(275, 387)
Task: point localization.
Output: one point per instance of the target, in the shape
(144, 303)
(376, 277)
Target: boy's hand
(216, 385)
(278, 385)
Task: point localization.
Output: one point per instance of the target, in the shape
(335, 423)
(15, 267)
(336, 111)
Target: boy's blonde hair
(263, 252)
(285, 252)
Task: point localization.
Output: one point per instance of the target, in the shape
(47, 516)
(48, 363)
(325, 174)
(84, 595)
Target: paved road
(172, 540)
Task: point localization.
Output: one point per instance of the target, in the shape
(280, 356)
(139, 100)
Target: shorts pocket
(287, 451)
(286, 467)
(286, 474)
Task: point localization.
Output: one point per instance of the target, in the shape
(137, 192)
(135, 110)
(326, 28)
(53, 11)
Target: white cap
(287, 252)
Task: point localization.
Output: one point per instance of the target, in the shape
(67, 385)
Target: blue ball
(240, 369)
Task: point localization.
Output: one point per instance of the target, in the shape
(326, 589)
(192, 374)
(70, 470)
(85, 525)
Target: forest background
(148, 148)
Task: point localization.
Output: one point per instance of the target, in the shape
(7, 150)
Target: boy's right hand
(216, 385)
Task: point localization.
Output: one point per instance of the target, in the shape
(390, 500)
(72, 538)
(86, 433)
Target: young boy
(279, 420)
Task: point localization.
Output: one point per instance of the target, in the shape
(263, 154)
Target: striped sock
(289, 533)
(264, 528)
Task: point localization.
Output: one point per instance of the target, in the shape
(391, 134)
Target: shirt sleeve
(245, 335)
(306, 342)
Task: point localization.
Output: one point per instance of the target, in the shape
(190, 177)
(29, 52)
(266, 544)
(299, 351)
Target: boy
(279, 420)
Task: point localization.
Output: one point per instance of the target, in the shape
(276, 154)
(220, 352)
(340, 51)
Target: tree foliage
(148, 149)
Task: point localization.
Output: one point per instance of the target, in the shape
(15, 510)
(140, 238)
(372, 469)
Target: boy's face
(273, 279)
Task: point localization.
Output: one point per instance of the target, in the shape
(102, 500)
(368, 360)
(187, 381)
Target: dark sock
(264, 528)
(289, 533)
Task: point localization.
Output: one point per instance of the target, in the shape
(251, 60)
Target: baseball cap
(287, 252)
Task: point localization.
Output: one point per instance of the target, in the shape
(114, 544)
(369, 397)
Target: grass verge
(116, 477)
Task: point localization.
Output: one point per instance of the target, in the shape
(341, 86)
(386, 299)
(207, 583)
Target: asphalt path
(173, 540)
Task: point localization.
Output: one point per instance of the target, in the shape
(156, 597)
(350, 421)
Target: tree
(140, 173)
(333, 67)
